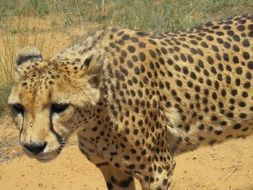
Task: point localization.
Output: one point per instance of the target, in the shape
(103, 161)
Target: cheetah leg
(115, 178)
(160, 178)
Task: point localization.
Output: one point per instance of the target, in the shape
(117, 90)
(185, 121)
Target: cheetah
(137, 99)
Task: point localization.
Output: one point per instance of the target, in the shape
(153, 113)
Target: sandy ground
(223, 167)
(227, 166)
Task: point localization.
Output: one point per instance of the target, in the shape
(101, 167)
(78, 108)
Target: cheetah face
(50, 100)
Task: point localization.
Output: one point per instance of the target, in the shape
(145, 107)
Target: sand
(222, 167)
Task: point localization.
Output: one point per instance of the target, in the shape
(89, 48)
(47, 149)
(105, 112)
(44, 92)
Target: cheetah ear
(94, 65)
(27, 55)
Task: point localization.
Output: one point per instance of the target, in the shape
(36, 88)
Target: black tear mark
(109, 185)
(24, 58)
(87, 61)
(51, 127)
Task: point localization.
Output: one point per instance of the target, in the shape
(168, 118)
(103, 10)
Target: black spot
(131, 49)
(246, 55)
(215, 48)
(24, 83)
(213, 70)
(237, 126)
(209, 38)
(244, 94)
(227, 45)
(250, 65)
(241, 28)
(152, 42)
(123, 53)
(235, 59)
(237, 82)
(125, 37)
(182, 56)
(245, 43)
(135, 58)
(236, 48)
(238, 70)
(223, 123)
(230, 114)
(236, 38)
(185, 70)
(179, 83)
(226, 57)
(247, 85)
(142, 56)
(230, 32)
(234, 92)
(212, 142)
(152, 54)
(210, 60)
(214, 118)
(250, 34)
(204, 44)
(248, 75)
(228, 79)
(142, 45)
(218, 132)
(109, 185)
(126, 183)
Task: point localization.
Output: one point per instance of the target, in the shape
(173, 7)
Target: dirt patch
(228, 166)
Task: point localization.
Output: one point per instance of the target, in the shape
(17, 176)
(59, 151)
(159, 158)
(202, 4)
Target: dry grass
(9, 145)
(16, 34)
(10, 43)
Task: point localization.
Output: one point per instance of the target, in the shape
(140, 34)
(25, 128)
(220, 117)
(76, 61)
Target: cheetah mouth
(44, 156)
(48, 156)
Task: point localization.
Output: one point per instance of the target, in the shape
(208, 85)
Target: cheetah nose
(35, 148)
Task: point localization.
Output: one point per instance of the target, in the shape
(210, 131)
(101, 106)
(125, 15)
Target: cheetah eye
(19, 108)
(58, 108)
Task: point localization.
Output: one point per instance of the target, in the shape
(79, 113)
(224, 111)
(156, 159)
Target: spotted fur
(137, 99)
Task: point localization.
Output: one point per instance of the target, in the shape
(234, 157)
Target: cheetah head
(52, 98)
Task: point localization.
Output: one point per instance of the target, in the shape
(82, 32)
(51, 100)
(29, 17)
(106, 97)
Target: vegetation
(142, 14)
(146, 15)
